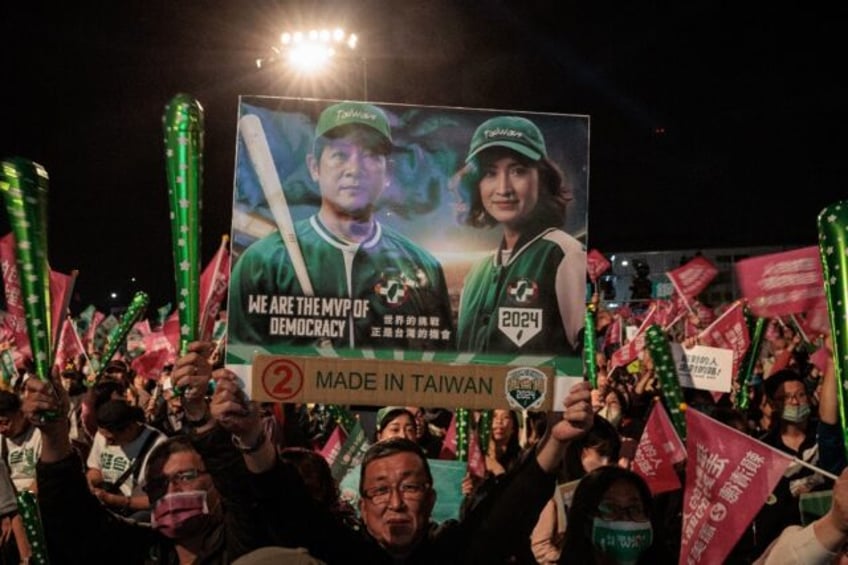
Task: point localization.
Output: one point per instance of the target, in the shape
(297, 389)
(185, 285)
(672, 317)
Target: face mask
(796, 414)
(623, 541)
(181, 514)
(610, 414)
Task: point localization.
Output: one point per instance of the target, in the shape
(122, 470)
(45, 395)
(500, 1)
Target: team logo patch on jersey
(523, 291)
(394, 290)
(525, 388)
(520, 325)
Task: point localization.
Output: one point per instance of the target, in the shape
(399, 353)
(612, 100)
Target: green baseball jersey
(385, 292)
(529, 300)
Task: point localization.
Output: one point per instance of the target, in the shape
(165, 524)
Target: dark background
(713, 124)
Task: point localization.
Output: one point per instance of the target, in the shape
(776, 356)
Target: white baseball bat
(263, 163)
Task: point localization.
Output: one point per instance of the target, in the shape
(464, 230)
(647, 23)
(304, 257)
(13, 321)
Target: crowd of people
(184, 469)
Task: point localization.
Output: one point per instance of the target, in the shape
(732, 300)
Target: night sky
(712, 124)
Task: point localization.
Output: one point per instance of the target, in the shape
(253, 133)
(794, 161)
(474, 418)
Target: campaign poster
(395, 232)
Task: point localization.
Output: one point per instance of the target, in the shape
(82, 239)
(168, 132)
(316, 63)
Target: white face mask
(796, 414)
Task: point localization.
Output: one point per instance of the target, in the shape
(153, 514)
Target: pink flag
(596, 264)
(61, 289)
(334, 444)
(628, 352)
(693, 277)
(14, 301)
(171, 329)
(613, 333)
(729, 475)
(213, 287)
(782, 283)
(729, 332)
(96, 320)
(659, 449)
(821, 358)
(476, 461)
(70, 347)
(449, 443)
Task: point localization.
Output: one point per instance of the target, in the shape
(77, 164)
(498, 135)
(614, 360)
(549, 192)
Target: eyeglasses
(410, 492)
(801, 396)
(180, 478)
(608, 511)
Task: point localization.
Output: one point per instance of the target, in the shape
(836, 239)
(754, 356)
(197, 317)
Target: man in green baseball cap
(377, 273)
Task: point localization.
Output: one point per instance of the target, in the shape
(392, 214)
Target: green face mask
(623, 541)
(796, 414)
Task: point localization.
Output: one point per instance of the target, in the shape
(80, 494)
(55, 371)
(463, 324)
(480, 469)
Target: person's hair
(603, 437)
(772, 385)
(10, 403)
(117, 415)
(513, 447)
(315, 472)
(104, 390)
(159, 456)
(584, 506)
(388, 447)
(390, 415)
(366, 136)
(554, 194)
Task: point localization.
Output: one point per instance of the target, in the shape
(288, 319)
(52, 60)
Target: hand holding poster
(402, 264)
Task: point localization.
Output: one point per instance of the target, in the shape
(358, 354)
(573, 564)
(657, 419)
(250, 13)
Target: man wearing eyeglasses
(397, 497)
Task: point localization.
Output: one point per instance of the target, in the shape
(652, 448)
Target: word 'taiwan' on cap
(512, 132)
(357, 113)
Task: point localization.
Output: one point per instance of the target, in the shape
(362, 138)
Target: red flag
(171, 329)
(96, 320)
(596, 264)
(729, 475)
(213, 286)
(449, 443)
(476, 461)
(659, 449)
(821, 359)
(782, 283)
(70, 347)
(14, 301)
(693, 277)
(334, 444)
(613, 333)
(629, 352)
(158, 352)
(729, 332)
(61, 289)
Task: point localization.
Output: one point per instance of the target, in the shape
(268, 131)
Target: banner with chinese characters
(377, 232)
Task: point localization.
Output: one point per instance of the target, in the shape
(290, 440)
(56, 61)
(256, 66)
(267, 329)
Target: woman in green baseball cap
(529, 294)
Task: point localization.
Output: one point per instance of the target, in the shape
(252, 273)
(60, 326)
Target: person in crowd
(14, 544)
(118, 458)
(428, 435)
(529, 295)
(793, 431)
(822, 542)
(610, 521)
(20, 442)
(600, 446)
(397, 496)
(395, 421)
(347, 252)
(318, 479)
(504, 447)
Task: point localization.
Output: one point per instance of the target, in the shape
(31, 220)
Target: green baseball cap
(512, 132)
(359, 113)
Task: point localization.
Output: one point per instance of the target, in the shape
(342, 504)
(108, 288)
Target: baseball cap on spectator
(116, 415)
